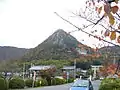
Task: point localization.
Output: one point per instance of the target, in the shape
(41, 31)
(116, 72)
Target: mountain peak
(59, 45)
(62, 38)
(59, 30)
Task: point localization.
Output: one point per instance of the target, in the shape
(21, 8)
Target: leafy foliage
(16, 83)
(53, 81)
(109, 9)
(44, 82)
(8, 53)
(70, 80)
(3, 84)
(108, 70)
(103, 13)
(110, 84)
(29, 82)
(60, 81)
(48, 74)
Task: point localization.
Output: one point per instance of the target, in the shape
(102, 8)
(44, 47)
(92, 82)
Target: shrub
(29, 82)
(53, 81)
(3, 84)
(110, 84)
(43, 82)
(1, 76)
(37, 84)
(60, 81)
(16, 83)
(70, 80)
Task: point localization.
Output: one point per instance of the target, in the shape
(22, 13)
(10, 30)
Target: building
(36, 69)
(95, 68)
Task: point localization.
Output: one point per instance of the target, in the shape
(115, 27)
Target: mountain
(110, 49)
(60, 45)
(7, 52)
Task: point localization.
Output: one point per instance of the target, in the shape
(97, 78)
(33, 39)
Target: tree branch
(79, 29)
(99, 20)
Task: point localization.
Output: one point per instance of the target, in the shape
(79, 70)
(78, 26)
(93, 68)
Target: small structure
(83, 72)
(95, 68)
(68, 70)
(37, 68)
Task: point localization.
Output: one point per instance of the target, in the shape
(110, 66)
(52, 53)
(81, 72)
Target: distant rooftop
(68, 67)
(41, 67)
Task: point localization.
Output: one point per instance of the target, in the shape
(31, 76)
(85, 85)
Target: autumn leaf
(96, 8)
(99, 10)
(107, 8)
(107, 33)
(101, 31)
(116, 1)
(114, 9)
(119, 26)
(118, 39)
(105, 14)
(93, 2)
(111, 19)
(113, 35)
(89, 4)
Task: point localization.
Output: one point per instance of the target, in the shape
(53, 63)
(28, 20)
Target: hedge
(60, 81)
(42, 82)
(3, 84)
(29, 83)
(53, 81)
(70, 80)
(16, 83)
(110, 84)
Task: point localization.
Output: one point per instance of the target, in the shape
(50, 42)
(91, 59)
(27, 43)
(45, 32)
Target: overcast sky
(27, 23)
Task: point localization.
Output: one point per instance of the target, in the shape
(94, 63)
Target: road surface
(63, 87)
(96, 84)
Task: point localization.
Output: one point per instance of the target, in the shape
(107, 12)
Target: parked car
(82, 85)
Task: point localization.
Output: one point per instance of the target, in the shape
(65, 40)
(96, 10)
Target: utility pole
(23, 71)
(74, 68)
(31, 65)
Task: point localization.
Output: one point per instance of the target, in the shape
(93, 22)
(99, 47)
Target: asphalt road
(96, 84)
(64, 87)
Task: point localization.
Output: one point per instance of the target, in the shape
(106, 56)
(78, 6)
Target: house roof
(68, 67)
(41, 67)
